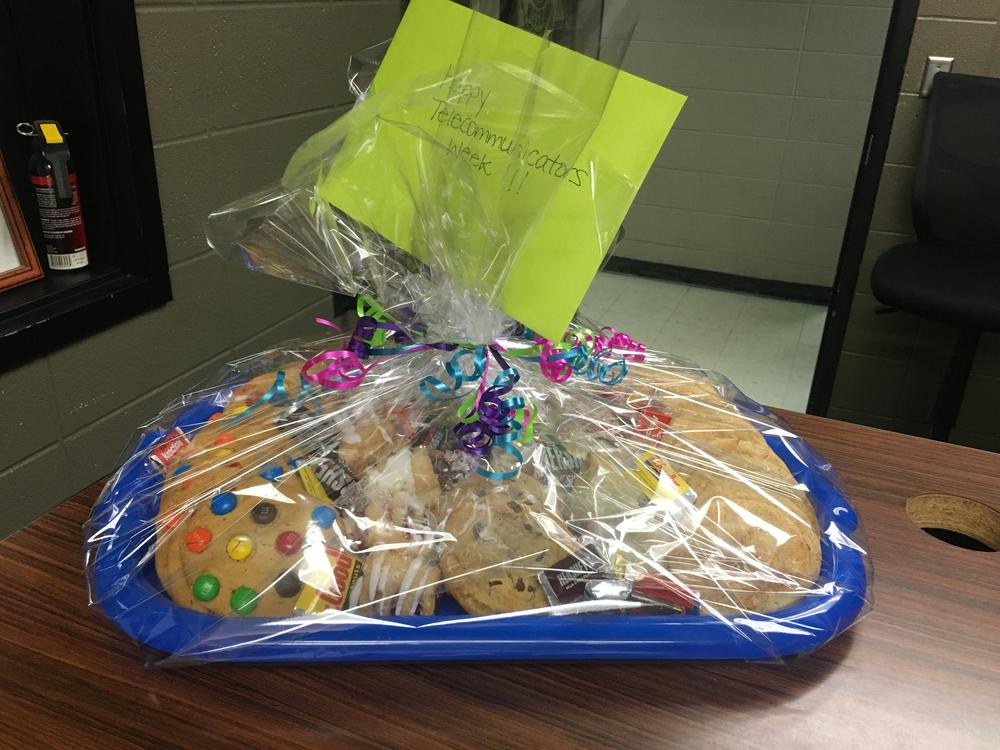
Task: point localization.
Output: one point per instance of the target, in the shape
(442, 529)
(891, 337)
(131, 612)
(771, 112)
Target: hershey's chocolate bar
(661, 591)
(566, 581)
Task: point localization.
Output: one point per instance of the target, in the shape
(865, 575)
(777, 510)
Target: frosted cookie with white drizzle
(398, 527)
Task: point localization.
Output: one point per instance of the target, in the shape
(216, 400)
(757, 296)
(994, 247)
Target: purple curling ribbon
(360, 344)
(494, 420)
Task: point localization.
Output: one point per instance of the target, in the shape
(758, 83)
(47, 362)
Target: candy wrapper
(437, 478)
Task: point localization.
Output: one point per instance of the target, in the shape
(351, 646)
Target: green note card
(507, 160)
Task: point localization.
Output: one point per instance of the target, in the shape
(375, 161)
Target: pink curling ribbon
(584, 352)
(556, 364)
(617, 340)
(344, 371)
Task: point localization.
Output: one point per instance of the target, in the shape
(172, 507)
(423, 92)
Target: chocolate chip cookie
(503, 537)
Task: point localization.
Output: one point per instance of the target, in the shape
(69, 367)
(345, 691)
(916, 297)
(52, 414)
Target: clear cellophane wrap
(436, 481)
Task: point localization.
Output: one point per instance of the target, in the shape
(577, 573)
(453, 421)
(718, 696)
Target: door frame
(902, 23)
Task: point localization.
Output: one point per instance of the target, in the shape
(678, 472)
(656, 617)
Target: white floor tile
(710, 308)
(796, 396)
(599, 299)
(804, 359)
(771, 318)
(812, 326)
(700, 344)
(765, 382)
(767, 347)
(760, 348)
(641, 328)
(593, 309)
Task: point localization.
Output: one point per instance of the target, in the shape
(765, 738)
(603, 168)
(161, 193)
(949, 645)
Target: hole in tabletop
(956, 520)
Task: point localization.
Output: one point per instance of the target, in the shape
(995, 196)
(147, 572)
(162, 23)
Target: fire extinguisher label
(62, 226)
(68, 261)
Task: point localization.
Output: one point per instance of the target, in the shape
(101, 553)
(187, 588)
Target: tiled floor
(767, 347)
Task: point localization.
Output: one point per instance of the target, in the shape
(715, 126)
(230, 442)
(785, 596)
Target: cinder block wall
(757, 178)
(232, 88)
(892, 365)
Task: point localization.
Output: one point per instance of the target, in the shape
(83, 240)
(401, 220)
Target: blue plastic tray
(135, 603)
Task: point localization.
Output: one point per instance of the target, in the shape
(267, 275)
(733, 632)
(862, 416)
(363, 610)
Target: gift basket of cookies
(466, 469)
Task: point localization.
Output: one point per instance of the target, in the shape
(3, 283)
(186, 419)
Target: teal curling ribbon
(277, 392)
(607, 372)
(586, 357)
(488, 417)
(436, 390)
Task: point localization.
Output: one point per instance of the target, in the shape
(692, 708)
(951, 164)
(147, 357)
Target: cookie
(702, 418)
(503, 536)
(766, 546)
(235, 511)
(398, 582)
(741, 543)
(734, 526)
(400, 495)
(247, 523)
(396, 514)
(237, 552)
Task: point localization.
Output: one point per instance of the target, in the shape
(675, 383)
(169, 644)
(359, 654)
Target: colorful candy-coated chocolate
(272, 473)
(205, 588)
(172, 520)
(264, 513)
(197, 540)
(223, 503)
(243, 601)
(287, 542)
(239, 410)
(288, 585)
(224, 438)
(239, 547)
(221, 453)
(181, 469)
(324, 516)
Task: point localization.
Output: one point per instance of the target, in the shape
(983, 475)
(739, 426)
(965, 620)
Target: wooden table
(922, 670)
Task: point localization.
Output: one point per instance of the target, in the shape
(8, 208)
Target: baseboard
(818, 295)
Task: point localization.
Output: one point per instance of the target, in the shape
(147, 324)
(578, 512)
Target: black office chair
(952, 273)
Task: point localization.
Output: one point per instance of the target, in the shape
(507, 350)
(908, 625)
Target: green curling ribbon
(368, 307)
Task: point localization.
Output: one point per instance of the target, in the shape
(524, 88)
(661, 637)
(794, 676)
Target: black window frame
(78, 61)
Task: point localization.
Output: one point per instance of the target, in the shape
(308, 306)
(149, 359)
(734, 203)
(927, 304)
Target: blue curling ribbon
(305, 392)
(608, 372)
(593, 366)
(454, 369)
(276, 392)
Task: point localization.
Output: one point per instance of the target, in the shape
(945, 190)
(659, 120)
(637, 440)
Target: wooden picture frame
(19, 262)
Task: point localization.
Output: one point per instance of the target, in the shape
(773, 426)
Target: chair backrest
(956, 199)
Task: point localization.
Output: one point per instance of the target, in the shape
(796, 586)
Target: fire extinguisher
(57, 193)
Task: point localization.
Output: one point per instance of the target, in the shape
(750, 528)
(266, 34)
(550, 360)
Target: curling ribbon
(495, 420)
(488, 417)
(436, 390)
(345, 369)
(587, 355)
(276, 393)
(618, 340)
(371, 330)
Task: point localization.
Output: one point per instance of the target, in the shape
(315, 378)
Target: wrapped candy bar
(469, 470)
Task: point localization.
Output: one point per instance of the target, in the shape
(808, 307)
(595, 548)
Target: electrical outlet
(934, 66)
